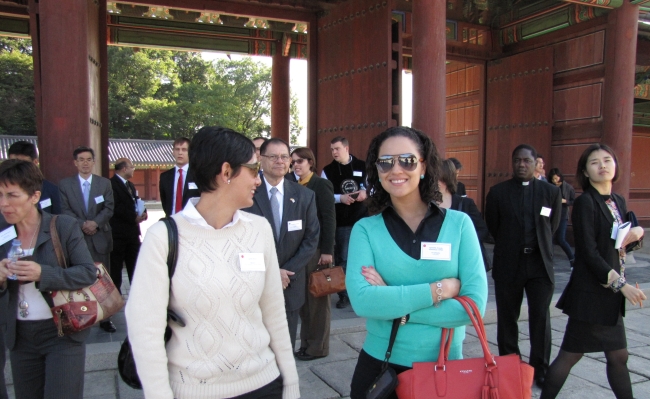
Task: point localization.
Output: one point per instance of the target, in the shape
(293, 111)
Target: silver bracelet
(438, 298)
(618, 284)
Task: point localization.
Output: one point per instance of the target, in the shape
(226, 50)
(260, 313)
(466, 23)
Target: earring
(379, 180)
(228, 181)
(421, 177)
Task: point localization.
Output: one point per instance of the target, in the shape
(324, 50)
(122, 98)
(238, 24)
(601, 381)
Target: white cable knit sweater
(236, 339)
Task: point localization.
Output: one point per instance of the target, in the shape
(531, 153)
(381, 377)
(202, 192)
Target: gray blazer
(80, 273)
(294, 248)
(72, 204)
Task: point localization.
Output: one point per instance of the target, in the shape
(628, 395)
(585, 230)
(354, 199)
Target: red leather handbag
(489, 377)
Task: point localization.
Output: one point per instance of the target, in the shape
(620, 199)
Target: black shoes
(343, 302)
(301, 354)
(107, 326)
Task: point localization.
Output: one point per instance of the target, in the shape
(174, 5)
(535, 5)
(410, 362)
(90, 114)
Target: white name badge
(99, 199)
(45, 203)
(294, 225)
(251, 262)
(435, 251)
(357, 173)
(192, 186)
(614, 230)
(545, 211)
(7, 234)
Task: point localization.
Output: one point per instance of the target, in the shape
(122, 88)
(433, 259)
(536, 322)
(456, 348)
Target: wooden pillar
(66, 39)
(429, 56)
(280, 96)
(312, 87)
(622, 26)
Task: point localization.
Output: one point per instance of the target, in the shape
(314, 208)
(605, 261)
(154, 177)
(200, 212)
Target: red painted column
(280, 96)
(620, 56)
(312, 87)
(429, 56)
(68, 64)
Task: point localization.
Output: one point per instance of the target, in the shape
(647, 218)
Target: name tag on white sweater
(251, 262)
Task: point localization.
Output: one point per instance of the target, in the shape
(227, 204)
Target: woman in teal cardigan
(409, 259)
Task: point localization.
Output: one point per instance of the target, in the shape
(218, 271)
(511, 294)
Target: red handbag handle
(477, 321)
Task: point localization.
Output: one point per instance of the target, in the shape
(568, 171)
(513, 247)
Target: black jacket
(467, 205)
(166, 187)
(585, 298)
(325, 210)
(123, 220)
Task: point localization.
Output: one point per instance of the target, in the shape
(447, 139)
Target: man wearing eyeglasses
(291, 211)
(348, 175)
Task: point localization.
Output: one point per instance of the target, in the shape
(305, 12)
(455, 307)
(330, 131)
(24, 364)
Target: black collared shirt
(427, 231)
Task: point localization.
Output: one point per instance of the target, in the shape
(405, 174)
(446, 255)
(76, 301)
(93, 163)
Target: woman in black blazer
(315, 313)
(451, 200)
(568, 197)
(594, 299)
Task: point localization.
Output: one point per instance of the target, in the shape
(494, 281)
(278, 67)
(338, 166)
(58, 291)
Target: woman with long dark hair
(408, 259)
(595, 297)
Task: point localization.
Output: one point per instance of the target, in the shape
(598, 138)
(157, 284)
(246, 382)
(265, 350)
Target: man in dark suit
(125, 222)
(291, 211)
(50, 200)
(522, 214)
(89, 199)
(177, 184)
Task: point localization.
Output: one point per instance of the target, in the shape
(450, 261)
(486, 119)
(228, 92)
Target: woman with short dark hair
(568, 196)
(43, 364)
(315, 313)
(595, 297)
(226, 288)
(391, 274)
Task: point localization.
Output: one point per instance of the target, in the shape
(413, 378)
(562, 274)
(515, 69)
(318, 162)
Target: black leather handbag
(125, 362)
(386, 381)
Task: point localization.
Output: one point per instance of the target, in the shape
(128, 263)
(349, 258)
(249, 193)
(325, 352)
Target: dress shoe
(107, 326)
(302, 355)
(343, 302)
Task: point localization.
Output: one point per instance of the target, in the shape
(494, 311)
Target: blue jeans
(560, 238)
(341, 241)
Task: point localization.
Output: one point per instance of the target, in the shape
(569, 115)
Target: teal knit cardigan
(408, 292)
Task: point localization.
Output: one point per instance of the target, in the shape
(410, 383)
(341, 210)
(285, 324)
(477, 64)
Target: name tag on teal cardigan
(435, 251)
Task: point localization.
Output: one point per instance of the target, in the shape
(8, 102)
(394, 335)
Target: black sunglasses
(255, 167)
(408, 162)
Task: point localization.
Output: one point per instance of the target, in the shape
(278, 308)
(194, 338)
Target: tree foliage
(154, 94)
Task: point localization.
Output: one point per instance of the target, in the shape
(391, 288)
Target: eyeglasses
(408, 162)
(274, 158)
(299, 161)
(255, 167)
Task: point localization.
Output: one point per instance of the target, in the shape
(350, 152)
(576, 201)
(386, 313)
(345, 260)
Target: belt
(528, 250)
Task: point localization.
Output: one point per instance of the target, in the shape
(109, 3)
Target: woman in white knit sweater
(226, 288)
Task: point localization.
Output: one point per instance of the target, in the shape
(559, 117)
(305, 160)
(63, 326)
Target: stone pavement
(330, 377)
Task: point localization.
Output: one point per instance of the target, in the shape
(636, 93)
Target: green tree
(18, 116)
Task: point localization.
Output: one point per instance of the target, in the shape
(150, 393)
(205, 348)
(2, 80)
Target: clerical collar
(525, 183)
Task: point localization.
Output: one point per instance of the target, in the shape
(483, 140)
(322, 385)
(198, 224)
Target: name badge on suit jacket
(545, 211)
(46, 203)
(99, 199)
(294, 225)
(192, 186)
(7, 234)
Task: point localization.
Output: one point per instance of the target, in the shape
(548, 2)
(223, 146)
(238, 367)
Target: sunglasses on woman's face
(408, 162)
(298, 161)
(255, 167)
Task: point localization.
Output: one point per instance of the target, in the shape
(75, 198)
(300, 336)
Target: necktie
(128, 188)
(179, 192)
(86, 194)
(275, 208)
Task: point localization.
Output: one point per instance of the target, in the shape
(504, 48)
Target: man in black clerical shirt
(522, 214)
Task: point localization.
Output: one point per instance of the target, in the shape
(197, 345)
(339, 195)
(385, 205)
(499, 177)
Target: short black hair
(582, 164)
(260, 138)
(340, 139)
(23, 148)
(554, 172)
(210, 148)
(428, 187)
(274, 140)
(457, 163)
(530, 148)
(81, 149)
(539, 156)
(24, 174)
(448, 175)
(181, 140)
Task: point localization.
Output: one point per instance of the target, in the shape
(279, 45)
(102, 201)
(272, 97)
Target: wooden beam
(643, 52)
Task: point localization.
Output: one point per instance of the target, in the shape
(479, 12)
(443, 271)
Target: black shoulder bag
(386, 381)
(125, 362)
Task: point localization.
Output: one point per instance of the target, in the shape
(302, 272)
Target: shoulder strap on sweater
(172, 256)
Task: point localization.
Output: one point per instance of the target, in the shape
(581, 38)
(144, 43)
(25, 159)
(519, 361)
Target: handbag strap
(460, 205)
(56, 242)
(172, 255)
(391, 341)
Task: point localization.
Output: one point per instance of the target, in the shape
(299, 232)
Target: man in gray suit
(291, 211)
(89, 199)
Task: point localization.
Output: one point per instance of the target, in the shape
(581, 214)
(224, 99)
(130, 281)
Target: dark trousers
(560, 239)
(3, 360)
(44, 365)
(365, 373)
(272, 390)
(532, 279)
(125, 252)
(341, 242)
(292, 321)
(315, 317)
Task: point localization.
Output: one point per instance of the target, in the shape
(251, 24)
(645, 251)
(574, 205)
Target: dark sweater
(344, 178)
